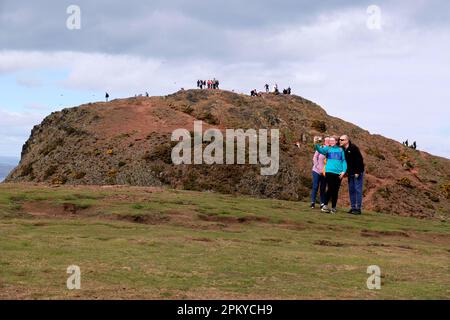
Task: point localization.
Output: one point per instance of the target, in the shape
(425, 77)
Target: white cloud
(29, 82)
(391, 82)
(14, 123)
(15, 128)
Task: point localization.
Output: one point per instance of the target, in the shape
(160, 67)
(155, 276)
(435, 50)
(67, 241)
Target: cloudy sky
(393, 80)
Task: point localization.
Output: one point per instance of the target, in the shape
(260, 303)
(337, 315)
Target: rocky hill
(128, 142)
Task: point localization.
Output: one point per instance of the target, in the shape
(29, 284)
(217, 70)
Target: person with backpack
(318, 176)
(335, 170)
(355, 173)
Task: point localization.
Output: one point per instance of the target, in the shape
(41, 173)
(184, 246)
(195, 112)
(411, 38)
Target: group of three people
(210, 84)
(332, 161)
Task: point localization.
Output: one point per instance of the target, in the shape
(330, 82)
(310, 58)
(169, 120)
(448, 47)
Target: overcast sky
(393, 80)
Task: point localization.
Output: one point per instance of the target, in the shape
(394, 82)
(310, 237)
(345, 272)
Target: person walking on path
(355, 172)
(335, 169)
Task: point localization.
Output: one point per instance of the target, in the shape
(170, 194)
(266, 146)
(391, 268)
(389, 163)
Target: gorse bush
(319, 125)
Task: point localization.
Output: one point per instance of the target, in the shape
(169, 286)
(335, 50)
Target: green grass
(282, 256)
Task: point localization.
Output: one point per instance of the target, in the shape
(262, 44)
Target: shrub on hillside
(50, 171)
(320, 126)
(59, 180)
(405, 182)
(446, 189)
(51, 145)
(161, 152)
(209, 118)
(376, 153)
(27, 170)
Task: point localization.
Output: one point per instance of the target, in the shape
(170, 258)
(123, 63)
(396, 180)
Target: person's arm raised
(323, 150)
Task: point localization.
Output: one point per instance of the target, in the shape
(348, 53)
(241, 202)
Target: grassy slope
(193, 245)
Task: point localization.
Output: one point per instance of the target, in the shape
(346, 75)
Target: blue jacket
(335, 159)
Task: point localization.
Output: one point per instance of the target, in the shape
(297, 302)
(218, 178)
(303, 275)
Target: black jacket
(354, 158)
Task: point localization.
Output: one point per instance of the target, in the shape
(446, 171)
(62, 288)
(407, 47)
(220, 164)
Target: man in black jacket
(355, 172)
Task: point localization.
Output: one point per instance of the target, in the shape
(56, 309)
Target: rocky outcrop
(128, 141)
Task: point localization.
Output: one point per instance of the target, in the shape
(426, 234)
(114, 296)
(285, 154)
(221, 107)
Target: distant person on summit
(267, 88)
(106, 96)
(275, 89)
(355, 172)
(335, 170)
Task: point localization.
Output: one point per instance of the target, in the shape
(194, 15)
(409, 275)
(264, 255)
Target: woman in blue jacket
(334, 171)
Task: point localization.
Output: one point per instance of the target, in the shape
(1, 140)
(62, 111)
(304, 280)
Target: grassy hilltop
(153, 243)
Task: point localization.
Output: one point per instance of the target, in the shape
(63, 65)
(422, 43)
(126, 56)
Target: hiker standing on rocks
(267, 88)
(335, 169)
(106, 96)
(318, 176)
(355, 172)
(215, 84)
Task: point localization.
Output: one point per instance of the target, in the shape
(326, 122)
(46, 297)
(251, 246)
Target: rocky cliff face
(128, 142)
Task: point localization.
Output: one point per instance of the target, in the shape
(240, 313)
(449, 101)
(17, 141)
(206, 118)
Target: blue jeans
(318, 182)
(355, 189)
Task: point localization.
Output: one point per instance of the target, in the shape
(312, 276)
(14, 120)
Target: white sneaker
(325, 209)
